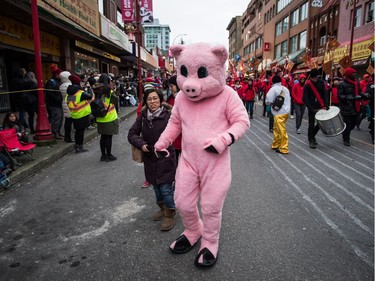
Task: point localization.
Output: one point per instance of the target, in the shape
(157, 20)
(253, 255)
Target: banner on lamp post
(128, 11)
(146, 11)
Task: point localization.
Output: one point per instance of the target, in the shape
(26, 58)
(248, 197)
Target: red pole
(43, 128)
(139, 40)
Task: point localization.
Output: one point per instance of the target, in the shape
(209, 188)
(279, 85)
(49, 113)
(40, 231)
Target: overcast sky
(201, 20)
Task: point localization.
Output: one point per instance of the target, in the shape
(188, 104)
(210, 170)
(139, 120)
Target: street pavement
(308, 215)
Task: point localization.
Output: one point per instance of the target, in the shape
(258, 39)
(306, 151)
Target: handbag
(137, 155)
(278, 102)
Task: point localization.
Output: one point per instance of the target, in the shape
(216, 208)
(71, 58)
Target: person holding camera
(350, 96)
(159, 170)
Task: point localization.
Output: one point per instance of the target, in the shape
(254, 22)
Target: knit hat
(276, 79)
(55, 70)
(75, 79)
(302, 76)
(349, 71)
(336, 78)
(366, 76)
(314, 73)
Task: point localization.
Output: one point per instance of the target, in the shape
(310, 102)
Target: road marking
(8, 208)
(120, 213)
(359, 253)
(368, 189)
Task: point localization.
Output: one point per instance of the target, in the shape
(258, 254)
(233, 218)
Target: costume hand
(220, 143)
(161, 145)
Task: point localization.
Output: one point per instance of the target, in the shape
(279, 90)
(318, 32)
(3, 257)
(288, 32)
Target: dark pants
(313, 128)
(55, 118)
(350, 121)
(79, 136)
(300, 111)
(68, 128)
(362, 116)
(106, 144)
(31, 115)
(250, 107)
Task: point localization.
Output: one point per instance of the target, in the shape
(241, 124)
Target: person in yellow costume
(109, 124)
(79, 105)
(280, 136)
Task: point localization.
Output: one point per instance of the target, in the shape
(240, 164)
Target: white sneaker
(291, 116)
(298, 131)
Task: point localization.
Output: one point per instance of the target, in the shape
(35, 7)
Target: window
(279, 28)
(369, 12)
(294, 44)
(119, 19)
(281, 4)
(322, 40)
(278, 51)
(302, 40)
(294, 18)
(357, 17)
(284, 48)
(258, 42)
(304, 11)
(285, 24)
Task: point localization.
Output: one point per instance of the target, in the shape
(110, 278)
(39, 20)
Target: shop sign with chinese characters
(83, 12)
(20, 35)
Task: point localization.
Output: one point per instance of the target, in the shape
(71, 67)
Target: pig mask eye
(202, 72)
(184, 71)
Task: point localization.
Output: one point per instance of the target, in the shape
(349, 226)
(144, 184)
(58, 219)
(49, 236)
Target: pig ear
(176, 50)
(221, 53)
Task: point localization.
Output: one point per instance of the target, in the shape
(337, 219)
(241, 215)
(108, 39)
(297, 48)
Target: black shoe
(346, 143)
(103, 158)
(182, 245)
(314, 140)
(68, 140)
(79, 149)
(312, 145)
(57, 136)
(111, 158)
(208, 258)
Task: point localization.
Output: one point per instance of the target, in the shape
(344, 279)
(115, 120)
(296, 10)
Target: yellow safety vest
(78, 109)
(111, 113)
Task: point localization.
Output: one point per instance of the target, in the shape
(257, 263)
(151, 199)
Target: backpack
(98, 108)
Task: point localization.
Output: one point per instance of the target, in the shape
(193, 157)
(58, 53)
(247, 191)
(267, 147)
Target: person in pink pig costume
(211, 117)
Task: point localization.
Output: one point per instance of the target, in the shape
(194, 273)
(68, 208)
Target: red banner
(146, 11)
(128, 11)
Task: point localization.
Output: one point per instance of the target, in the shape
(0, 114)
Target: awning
(294, 57)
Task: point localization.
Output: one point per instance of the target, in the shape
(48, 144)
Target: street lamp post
(171, 59)
(182, 34)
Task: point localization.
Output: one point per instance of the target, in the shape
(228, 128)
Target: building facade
(156, 35)
(235, 42)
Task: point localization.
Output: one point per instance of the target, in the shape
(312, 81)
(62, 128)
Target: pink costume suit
(207, 113)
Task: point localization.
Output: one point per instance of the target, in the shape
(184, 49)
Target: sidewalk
(46, 155)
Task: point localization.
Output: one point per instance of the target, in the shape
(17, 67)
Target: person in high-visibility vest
(79, 105)
(109, 124)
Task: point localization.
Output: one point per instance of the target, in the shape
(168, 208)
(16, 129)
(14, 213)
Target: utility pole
(139, 40)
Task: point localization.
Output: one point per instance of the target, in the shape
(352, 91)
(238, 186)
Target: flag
(327, 67)
(127, 11)
(346, 62)
(290, 66)
(333, 44)
(146, 11)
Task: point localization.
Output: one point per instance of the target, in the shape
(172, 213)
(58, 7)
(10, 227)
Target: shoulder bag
(137, 155)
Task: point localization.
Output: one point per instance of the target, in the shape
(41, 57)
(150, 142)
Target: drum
(330, 121)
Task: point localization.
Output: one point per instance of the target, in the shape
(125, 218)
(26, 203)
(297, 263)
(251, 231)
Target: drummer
(315, 97)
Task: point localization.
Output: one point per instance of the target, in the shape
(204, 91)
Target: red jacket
(297, 93)
(249, 92)
(334, 98)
